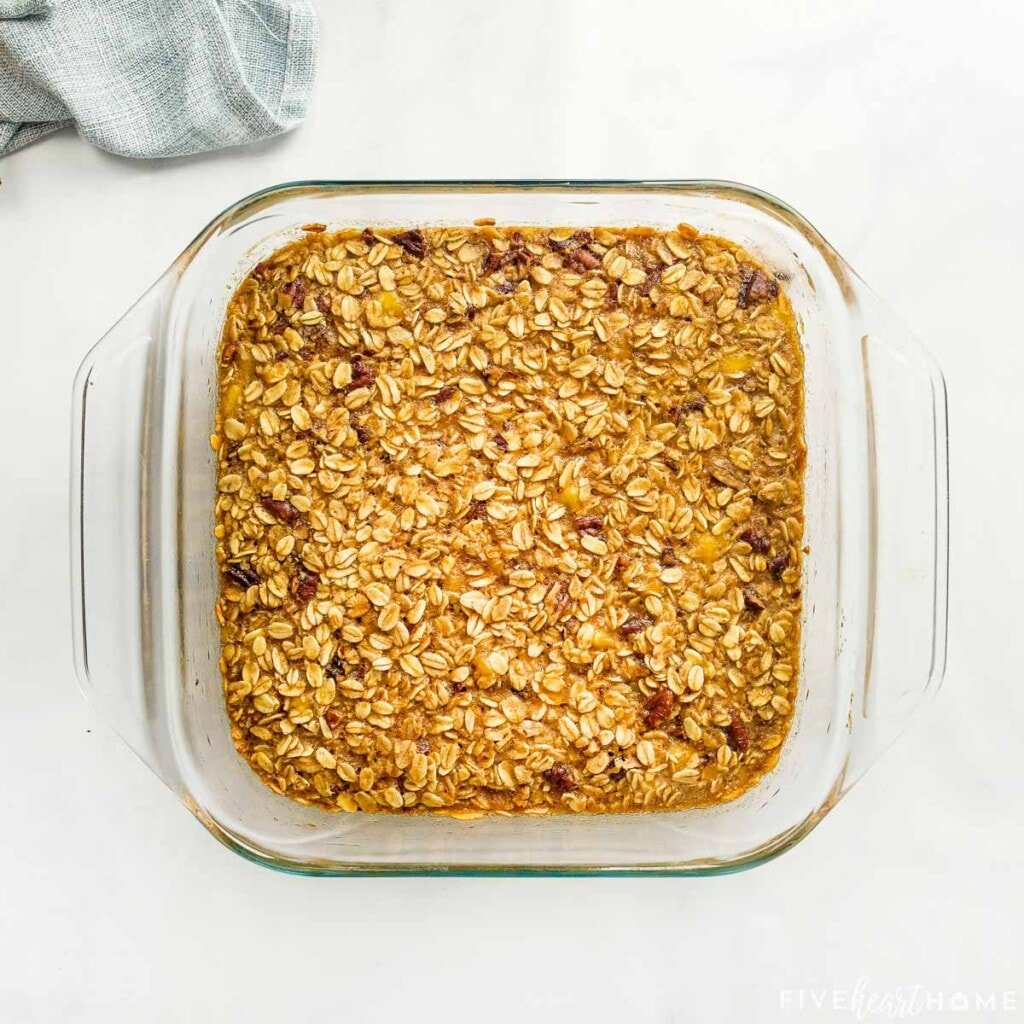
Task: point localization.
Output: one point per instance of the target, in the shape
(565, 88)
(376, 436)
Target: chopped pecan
(679, 412)
(413, 243)
(323, 303)
(653, 277)
(244, 575)
(334, 717)
(777, 566)
(261, 271)
(500, 443)
(296, 291)
(362, 434)
(633, 625)
(668, 556)
(752, 600)
(755, 286)
(423, 745)
(584, 260)
(228, 352)
(363, 374)
(477, 510)
(284, 511)
(315, 228)
(505, 287)
(739, 734)
(658, 708)
(757, 537)
(444, 394)
(560, 778)
(589, 524)
(493, 261)
(304, 585)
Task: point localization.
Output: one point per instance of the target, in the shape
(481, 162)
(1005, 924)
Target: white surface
(896, 128)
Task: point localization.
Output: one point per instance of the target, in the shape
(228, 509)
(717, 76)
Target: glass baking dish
(145, 580)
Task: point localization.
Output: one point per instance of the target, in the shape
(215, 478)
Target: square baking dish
(145, 578)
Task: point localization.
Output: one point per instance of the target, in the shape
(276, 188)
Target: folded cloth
(146, 78)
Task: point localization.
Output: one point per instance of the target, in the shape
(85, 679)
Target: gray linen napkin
(147, 78)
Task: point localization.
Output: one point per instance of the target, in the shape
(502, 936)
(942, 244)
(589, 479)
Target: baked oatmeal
(510, 519)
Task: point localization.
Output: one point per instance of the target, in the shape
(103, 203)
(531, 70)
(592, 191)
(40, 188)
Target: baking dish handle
(907, 451)
(108, 485)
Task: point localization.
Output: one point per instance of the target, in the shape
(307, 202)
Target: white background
(896, 128)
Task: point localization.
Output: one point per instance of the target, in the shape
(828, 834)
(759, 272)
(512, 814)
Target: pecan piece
(244, 575)
(284, 511)
(777, 566)
(261, 271)
(296, 291)
(584, 260)
(323, 303)
(678, 413)
(493, 261)
(519, 254)
(658, 708)
(755, 286)
(559, 778)
(653, 277)
(304, 585)
(315, 228)
(362, 374)
(757, 537)
(413, 243)
(500, 443)
(668, 556)
(504, 287)
(589, 524)
(739, 734)
(633, 625)
(444, 394)
(752, 600)
(477, 510)
(334, 717)
(423, 745)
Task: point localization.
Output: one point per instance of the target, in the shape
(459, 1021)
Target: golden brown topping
(496, 517)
